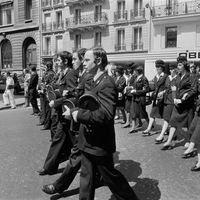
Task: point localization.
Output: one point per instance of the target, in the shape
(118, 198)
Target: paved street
(152, 173)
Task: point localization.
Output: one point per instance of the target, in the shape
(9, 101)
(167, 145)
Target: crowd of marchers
(80, 99)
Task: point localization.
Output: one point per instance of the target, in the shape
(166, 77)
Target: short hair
(65, 55)
(8, 73)
(99, 52)
(33, 68)
(139, 69)
(160, 64)
(120, 70)
(49, 65)
(81, 53)
(26, 70)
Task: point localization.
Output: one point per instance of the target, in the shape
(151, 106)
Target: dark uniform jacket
(120, 85)
(68, 81)
(142, 87)
(169, 94)
(33, 82)
(97, 134)
(184, 86)
(158, 86)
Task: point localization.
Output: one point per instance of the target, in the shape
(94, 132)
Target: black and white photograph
(99, 99)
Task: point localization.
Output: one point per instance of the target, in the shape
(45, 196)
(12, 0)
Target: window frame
(167, 39)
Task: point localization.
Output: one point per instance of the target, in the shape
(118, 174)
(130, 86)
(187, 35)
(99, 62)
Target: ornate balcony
(46, 4)
(120, 17)
(58, 26)
(47, 27)
(58, 3)
(87, 21)
(184, 8)
(137, 46)
(81, 2)
(120, 47)
(137, 15)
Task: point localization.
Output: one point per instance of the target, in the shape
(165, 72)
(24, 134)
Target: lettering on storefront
(193, 55)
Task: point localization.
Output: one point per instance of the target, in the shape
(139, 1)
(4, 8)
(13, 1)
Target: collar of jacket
(160, 76)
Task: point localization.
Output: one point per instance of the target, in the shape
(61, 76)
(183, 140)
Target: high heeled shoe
(167, 147)
(159, 141)
(146, 133)
(195, 169)
(190, 154)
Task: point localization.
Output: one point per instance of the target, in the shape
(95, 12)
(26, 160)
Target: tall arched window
(6, 54)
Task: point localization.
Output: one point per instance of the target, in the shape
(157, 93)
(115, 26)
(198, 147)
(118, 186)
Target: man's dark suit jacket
(97, 134)
(33, 82)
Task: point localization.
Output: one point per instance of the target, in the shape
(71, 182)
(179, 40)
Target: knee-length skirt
(167, 112)
(181, 118)
(138, 110)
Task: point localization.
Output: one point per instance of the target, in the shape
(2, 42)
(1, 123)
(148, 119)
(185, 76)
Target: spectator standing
(8, 96)
(27, 77)
(32, 90)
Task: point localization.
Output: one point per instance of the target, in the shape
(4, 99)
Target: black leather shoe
(167, 147)
(44, 172)
(159, 141)
(50, 189)
(195, 169)
(190, 154)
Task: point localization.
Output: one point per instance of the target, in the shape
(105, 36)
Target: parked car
(18, 79)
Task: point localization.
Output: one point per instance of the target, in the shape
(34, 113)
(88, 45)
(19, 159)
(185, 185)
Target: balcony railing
(120, 47)
(58, 3)
(190, 7)
(46, 3)
(82, 2)
(46, 53)
(137, 46)
(120, 16)
(137, 14)
(58, 26)
(87, 20)
(47, 27)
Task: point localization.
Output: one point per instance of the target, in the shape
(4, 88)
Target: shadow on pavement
(145, 188)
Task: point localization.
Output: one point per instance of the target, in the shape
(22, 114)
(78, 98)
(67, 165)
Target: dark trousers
(47, 121)
(112, 178)
(72, 167)
(42, 108)
(33, 100)
(54, 122)
(60, 148)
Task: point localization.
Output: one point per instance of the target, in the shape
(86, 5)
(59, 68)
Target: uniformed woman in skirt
(128, 95)
(169, 96)
(138, 105)
(183, 110)
(158, 89)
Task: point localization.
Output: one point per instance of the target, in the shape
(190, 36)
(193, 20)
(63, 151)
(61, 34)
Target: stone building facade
(19, 34)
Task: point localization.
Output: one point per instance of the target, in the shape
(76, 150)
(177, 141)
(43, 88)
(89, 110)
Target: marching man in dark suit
(61, 143)
(32, 90)
(97, 134)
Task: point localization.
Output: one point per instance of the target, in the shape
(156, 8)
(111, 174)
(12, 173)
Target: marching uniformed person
(61, 143)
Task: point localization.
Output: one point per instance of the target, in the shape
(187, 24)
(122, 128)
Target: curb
(8, 107)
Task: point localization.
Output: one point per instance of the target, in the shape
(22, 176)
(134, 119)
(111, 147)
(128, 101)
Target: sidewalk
(19, 102)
